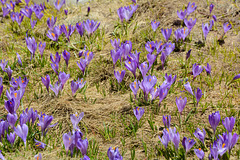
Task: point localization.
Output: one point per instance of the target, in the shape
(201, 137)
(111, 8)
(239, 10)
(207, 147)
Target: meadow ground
(108, 108)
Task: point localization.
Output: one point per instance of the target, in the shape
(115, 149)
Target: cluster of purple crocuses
(127, 12)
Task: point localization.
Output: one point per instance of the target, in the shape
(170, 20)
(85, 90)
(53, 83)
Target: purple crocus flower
(151, 59)
(169, 47)
(147, 84)
(11, 6)
(232, 140)
(135, 57)
(166, 33)
(178, 34)
(181, 103)
(226, 27)
(167, 121)
(58, 4)
(55, 67)
(185, 33)
(38, 156)
(12, 119)
(12, 15)
(200, 134)
(113, 154)
(51, 22)
(57, 87)
(234, 78)
(120, 12)
(9, 72)
(196, 69)
(31, 45)
(115, 43)
(46, 81)
(82, 145)
(75, 119)
(74, 87)
(22, 132)
(165, 138)
(119, 75)
(200, 153)
(27, 12)
(80, 28)
(88, 56)
(176, 140)
(208, 69)
(13, 82)
(33, 23)
(188, 88)
(190, 23)
(53, 34)
(169, 79)
(41, 48)
(198, 94)
(150, 46)
(205, 29)
(211, 8)
(82, 65)
(3, 64)
(188, 143)
(33, 115)
(90, 26)
(67, 140)
(44, 123)
(39, 144)
(138, 112)
(134, 87)
(63, 77)
(19, 59)
(11, 138)
(5, 11)
(115, 56)
(228, 123)
(214, 18)
(56, 59)
(181, 14)
(3, 2)
(163, 91)
(154, 93)
(131, 65)
(66, 56)
(163, 58)
(65, 11)
(85, 158)
(155, 25)
(81, 83)
(191, 7)
(68, 30)
(214, 120)
(144, 69)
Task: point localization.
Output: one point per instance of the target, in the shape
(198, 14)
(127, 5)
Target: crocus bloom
(147, 84)
(3, 3)
(167, 121)
(188, 143)
(82, 65)
(74, 87)
(151, 59)
(27, 11)
(178, 34)
(44, 123)
(169, 79)
(181, 103)
(3, 64)
(211, 8)
(11, 138)
(12, 15)
(33, 115)
(53, 35)
(80, 28)
(63, 77)
(185, 33)
(56, 59)
(41, 48)
(234, 78)
(38, 156)
(214, 120)
(39, 144)
(166, 33)
(55, 67)
(67, 140)
(214, 152)
(200, 134)
(82, 145)
(188, 88)
(228, 123)
(232, 140)
(57, 87)
(115, 56)
(115, 43)
(90, 26)
(191, 7)
(12, 119)
(11, 6)
(163, 59)
(75, 119)
(176, 140)
(181, 14)
(19, 59)
(226, 27)
(190, 23)
(68, 30)
(10, 106)
(88, 56)
(196, 69)
(169, 47)
(81, 83)
(51, 22)
(200, 154)
(144, 69)
(33, 23)
(208, 69)
(165, 138)
(31, 45)
(131, 65)
(66, 56)
(113, 154)
(5, 11)
(65, 11)
(58, 4)
(163, 91)
(134, 87)
(46, 81)
(198, 95)
(138, 112)
(85, 158)
(9, 72)
(154, 93)
(214, 18)
(22, 132)
(119, 75)
(205, 29)
(150, 46)
(155, 25)
(135, 57)
(188, 54)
